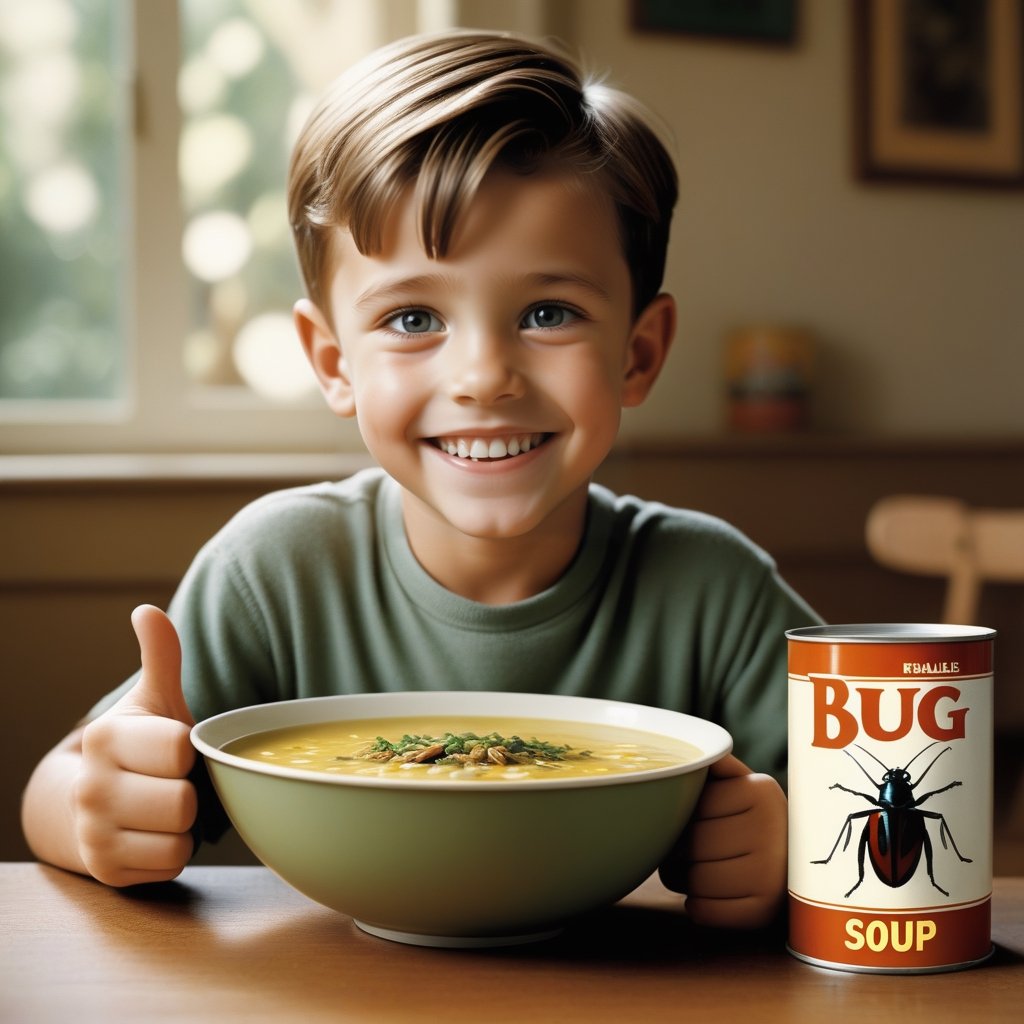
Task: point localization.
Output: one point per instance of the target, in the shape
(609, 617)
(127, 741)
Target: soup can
(890, 796)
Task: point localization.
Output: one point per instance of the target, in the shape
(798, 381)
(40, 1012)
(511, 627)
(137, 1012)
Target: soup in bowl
(459, 818)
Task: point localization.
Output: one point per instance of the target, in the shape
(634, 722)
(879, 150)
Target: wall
(912, 289)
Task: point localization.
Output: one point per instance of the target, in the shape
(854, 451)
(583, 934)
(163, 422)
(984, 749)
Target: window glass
(63, 132)
(241, 101)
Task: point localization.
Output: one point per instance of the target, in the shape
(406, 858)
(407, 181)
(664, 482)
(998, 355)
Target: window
(63, 119)
(148, 270)
(242, 98)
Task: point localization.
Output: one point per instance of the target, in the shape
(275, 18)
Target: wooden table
(226, 944)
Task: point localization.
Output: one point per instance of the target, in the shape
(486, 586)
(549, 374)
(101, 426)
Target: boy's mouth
(489, 448)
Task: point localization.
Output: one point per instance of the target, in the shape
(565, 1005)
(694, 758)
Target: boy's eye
(415, 321)
(549, 316)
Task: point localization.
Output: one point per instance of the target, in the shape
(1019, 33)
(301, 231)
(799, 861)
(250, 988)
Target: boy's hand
(132, 804)
(731, 860)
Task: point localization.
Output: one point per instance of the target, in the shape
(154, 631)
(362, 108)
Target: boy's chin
(497, 517)
(488, 523)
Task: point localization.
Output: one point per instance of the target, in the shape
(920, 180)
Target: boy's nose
(482, 370)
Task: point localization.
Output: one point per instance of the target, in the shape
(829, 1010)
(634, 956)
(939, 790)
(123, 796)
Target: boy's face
(490, 383)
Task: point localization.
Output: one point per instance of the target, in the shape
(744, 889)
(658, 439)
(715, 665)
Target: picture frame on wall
(762, 21)
(939, 91)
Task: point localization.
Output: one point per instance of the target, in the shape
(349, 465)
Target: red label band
(921, 661)
(868, 938)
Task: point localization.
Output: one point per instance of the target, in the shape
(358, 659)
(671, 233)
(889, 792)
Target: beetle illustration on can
(894, 834)
(895, 875)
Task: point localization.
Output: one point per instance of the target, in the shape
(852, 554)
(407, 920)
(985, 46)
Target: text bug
(895, 834)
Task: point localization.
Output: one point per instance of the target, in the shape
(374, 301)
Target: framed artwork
(939, 91)
(765, 21)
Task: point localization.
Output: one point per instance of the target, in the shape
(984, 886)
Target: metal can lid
(891, 632)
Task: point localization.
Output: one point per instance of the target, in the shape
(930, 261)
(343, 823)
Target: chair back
(938, 536)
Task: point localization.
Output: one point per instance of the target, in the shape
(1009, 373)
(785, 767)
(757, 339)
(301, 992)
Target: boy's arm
(112, 799)
(731, 860)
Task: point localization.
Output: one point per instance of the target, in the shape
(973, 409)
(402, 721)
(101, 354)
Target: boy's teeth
(489, 448)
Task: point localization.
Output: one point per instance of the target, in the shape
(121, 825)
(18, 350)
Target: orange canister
(890, 796)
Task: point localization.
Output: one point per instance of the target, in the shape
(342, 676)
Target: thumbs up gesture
(132, 803)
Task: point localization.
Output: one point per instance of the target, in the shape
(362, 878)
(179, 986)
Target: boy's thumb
(158, 690)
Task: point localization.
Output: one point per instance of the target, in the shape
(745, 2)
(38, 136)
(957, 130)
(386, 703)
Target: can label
(890, 796)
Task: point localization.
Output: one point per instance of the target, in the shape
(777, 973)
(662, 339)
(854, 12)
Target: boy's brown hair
(437, 111)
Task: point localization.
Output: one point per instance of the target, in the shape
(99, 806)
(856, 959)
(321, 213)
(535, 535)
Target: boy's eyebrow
(402, 287)
(397, 289)
(580, 280)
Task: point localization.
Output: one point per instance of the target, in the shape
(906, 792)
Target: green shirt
(315, 591)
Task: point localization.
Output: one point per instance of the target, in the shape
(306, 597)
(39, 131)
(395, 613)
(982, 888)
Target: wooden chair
(938, 536)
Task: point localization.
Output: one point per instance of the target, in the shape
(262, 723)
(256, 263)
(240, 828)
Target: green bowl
(458, 863)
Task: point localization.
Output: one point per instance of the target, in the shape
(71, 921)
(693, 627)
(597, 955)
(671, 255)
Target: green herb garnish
(468, 748)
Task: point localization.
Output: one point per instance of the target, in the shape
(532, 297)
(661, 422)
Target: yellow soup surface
(476, 748)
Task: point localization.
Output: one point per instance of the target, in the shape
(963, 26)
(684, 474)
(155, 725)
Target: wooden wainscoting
(84, 540)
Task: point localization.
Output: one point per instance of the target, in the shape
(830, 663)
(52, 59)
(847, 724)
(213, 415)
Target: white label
(890, 791)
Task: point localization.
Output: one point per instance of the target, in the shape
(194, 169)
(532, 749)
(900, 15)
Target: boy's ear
(649, 342)
(325, 356)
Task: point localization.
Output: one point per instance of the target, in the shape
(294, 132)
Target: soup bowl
(437, 861)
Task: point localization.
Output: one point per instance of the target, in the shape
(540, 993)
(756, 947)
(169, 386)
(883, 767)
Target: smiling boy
(482, 237)
(521, 338)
